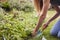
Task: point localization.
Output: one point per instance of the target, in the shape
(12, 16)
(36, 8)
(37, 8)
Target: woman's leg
(58, 34)
(56, 28)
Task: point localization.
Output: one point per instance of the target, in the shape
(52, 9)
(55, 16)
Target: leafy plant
(5, 6)
(15, 28)
(24, 5)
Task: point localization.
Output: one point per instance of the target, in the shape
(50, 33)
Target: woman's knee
(53, 33)
(58, 34)
(55, 29)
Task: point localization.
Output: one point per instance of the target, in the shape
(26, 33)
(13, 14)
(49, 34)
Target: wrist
(48, 22)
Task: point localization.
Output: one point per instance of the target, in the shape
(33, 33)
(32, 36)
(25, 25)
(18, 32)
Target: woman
(55, 31)
(42, 8)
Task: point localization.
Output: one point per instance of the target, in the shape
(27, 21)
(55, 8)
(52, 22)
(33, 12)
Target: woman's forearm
(43, 14)
(45, 6)
(54, 17)
(47, 23)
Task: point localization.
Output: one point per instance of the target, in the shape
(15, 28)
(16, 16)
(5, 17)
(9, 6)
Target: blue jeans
(55, 31)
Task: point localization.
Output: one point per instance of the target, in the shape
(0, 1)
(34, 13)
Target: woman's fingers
(44, 26)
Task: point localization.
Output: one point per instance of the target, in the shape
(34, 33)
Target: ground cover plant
(20, 20)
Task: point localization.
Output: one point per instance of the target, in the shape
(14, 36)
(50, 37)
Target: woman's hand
(45, 25)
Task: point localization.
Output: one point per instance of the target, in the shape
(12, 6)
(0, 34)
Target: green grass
(20, 24)
(46, 33)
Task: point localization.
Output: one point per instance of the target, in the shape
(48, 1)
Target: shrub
(5, 6)
(24, 5)
(13, 28)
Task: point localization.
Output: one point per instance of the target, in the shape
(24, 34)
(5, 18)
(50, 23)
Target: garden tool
(40, 34)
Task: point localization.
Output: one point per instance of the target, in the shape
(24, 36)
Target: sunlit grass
(22, 23)
(46, 33)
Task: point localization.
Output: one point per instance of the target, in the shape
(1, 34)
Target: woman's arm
(54, 17)
(43, 14)
(45, 6)
(47, 23)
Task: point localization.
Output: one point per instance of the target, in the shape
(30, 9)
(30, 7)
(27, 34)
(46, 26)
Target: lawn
(46, 33)
(17, 20)
(17, 25)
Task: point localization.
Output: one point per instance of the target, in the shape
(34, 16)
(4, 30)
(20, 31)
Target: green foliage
(18, 25)
(25, 5)
(22, 5)
(5, 6)
(15, 28)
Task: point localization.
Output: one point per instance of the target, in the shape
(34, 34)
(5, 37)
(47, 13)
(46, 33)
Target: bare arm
(54, 17)
(43, 14)
(47, 23)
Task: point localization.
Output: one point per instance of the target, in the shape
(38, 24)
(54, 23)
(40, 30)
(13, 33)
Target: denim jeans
(55, 31)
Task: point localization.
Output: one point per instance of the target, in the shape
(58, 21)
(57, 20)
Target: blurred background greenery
(18, 18)
(24, 5)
